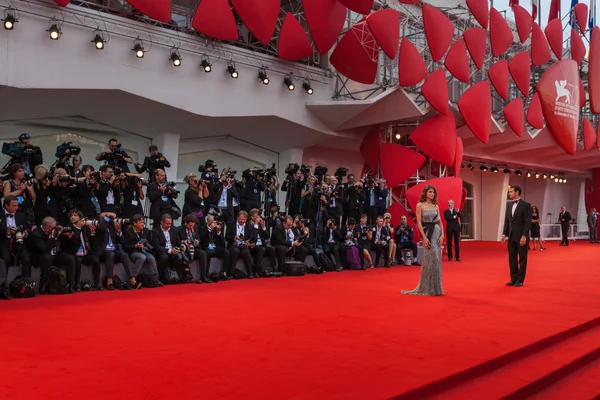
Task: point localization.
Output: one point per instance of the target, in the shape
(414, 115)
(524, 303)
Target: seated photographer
(133, 195)
(23, 188)
(79, 246)
(302, 234)
(195, 195)
(115, 156)
(404, 239)
(161, 195)
(365, 239)
(387, 222)
(107, 246)
(152, 162)
(168, 246)
(254, 185)
(263, 239)
(332, 243)
(46, 252)
(349, 243)
(13, 234)
(136, 243)
(226, 195)
(109, 190)
(87, 192)
(24, 153)
(212, 241)
(241, 241)
(381, 241)
(189, 233)
(283, 239)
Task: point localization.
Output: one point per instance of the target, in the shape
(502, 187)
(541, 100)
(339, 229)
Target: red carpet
(348, 335)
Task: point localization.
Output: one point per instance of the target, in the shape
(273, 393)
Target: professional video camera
(320, 172)
(305, 169)
(61, 150)
(268, 173)
(19, 150)
(292, 168)
(341, 172)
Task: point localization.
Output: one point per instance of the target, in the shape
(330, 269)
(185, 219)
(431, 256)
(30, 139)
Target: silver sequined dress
(431, 269)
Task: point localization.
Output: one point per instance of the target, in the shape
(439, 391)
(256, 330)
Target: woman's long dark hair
(537, 210)
(423, 198)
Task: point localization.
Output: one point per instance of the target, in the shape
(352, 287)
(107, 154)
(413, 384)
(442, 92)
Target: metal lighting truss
(108, 17)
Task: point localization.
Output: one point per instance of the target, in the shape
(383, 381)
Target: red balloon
(540, 52)
(436, 137)
(398, 163)
(559, 94)
(476, 41)
(435, 91)
(594, 71)
(293, 43)
(214, 18)
(475, 105)
(498, 74)
(589, 135)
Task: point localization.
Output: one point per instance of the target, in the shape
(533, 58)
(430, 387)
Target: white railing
(553, 232)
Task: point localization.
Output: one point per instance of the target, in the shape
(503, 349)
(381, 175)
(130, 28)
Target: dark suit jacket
(232, 231)
(160, 242)
(592, 221)
(337, 235)
(20, 219)
(71, 245)
(385, 232)
(519, 224)
(452, 217)
(207, 236)
(100, 239)
(40, 242)
(566, 216)
(215, 195)
(130, 239)
(279, 237)
(157, 205)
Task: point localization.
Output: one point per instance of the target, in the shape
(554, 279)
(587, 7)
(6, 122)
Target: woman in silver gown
(431, 229)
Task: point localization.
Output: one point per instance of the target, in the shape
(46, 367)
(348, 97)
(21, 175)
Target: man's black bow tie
(516, 201)
(10, 215)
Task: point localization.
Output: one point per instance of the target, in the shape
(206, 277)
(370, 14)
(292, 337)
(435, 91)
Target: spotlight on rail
(232, 71)
(307, 88)
(138, 48)
(483, 168)
(287, 81)
(54, 32)
(544, 176)
(537, 176)
(263, 77)
(206, 65)
(98, 41)
(470, 166)
(9, 19)
(518, 173)
(494, 169)
(506, 171)
(175, 58)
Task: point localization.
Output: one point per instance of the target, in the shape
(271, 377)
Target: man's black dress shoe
(511, 283)
(518, 284)
(457, 259)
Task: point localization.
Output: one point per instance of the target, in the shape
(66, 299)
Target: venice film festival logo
(564, 106)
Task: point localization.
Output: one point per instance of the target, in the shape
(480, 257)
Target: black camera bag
(22, 288)
(294, 268)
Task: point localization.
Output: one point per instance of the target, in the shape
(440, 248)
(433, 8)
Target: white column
(168, 145)
(288, 156)
(581, 210)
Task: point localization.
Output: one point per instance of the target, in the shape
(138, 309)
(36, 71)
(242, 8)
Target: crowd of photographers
(69, 215)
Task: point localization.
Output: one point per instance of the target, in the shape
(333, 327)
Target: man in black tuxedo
(283, 239)
(453, 220)
(241, 238)
(107, 246)
(592, 221)
(137, 244)
(381, 242)
(332, 243)
(167, 246)
(225, 195)
(12, 248)
(263, 239)
(564, 219)
(45, 250)
(212, 242)
(189, 233)
(517, 224)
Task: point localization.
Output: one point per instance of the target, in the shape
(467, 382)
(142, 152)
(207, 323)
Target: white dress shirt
(168, 244)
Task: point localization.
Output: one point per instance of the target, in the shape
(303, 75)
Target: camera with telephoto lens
(135, 180)
(19, 234)
(171, 187)
(65, 178)
(91, 222)
(95, 176)
(292, 168)
(341, 172)
(122, 221)
(66, 229)
(182, 255)
(144, 242)
(62, 150)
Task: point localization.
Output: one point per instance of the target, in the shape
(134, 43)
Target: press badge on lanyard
(165, 199)
(20, 198)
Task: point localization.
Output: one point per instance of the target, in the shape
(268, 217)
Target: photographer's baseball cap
(24, 136)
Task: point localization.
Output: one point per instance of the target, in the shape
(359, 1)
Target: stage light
(544, 176)
(560, 181)
(518, 173)
(262, 75)
(462, 165)
(529, 174)
(551, 176)
(175, 58)
(9, 20)
(470, 166)
(138, 49)
(483, 168)
(232, 71)
(54, 32)
(287, 81)
(398, 136)
(556, 180)
(506, 171)
(206, 65)
(307, 88)
(537, 175)
(98, 42)
(564, 180)
(494, 169)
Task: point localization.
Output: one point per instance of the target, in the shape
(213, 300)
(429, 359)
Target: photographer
(189, 233)
(109, 190)
(24, 153)
(79, 246)
(61, 196)
(168, 246)
(194, 196)
(302, 234)
(293, 186)
(254, 185)
(263, 240)
(381, 194)
(161, 195)
(404, 239)
(75, 170)
(226, 195)
(381, 240)
(41, 187)
(21, 187)
(107, 246)
(133, 195)
(153, 162)
(115, 156)
(333, 242)
(334, 203)
(352, 254)
(370, 199)
(283, 239)
(271, 189)
(64, 152)
(365, 239)
(46, 252)
(13, 234)
(136, 243)
(212, 241)
(87, 192)
(354, 199)
(241, 241)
